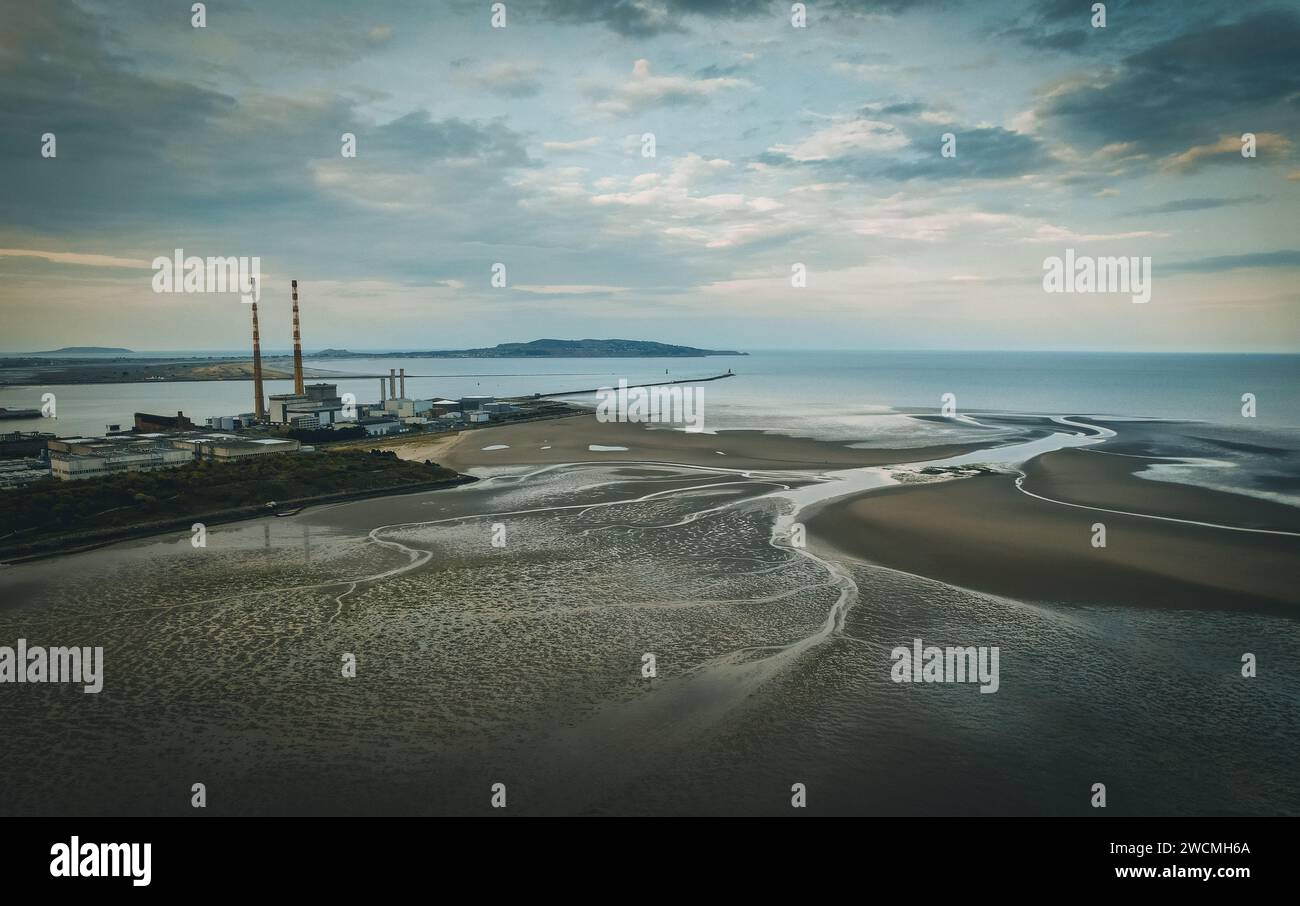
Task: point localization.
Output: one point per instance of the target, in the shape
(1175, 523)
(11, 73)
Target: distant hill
(536, 349)
(82, 350)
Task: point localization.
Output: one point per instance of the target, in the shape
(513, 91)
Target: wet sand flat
(1096, 477)
(982, 533)
(570, 440)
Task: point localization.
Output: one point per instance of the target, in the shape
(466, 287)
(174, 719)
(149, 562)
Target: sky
(776, 149)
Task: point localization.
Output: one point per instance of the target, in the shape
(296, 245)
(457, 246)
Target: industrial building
(394, 402)
(16, 444)
(378, 425)
(319, 406)
(228, 447)
(232, 422)
(73, 458)
(14, 473)
(90, 457)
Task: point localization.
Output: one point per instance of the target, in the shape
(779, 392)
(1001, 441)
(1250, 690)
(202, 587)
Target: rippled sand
(521, 664)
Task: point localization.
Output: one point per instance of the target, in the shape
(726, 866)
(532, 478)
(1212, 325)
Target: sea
(826, 394)
(867, 397)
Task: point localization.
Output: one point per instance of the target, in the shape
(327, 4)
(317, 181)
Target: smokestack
(392, 383)
(403, 373)
(381, 390)
(258, 406)
(297, 345)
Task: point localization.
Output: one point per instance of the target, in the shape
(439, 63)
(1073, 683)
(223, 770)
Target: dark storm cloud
(143, 151)
(1066, 25)
(1196, 204)
(1192, 89)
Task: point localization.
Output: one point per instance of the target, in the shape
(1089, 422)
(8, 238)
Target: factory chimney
(403, 375)
(259, 408)
(392, 383)
(297, 345)
(381, 390)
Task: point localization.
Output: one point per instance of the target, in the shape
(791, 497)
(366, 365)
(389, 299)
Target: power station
(312, 406)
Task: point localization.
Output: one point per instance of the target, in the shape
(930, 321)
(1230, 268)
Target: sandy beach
(984, 534)
(1095, 476)
(981, 532)
(569, 440)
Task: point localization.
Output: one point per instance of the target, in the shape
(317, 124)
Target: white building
(321, 402)
(227, 447)
(380, 425)
(73, 458)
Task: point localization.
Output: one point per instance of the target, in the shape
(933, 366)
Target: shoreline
(567, 440)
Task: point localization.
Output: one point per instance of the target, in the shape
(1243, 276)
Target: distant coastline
(590, 349)
(86, 350)
(111, 365)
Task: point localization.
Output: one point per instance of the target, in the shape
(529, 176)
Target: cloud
(1226, 149)
(869, 148)
(644, 90)
(78, 258)
(648, 18)
(989, 152)
(669, 207)
(515, 80)
(1055, 234)
(227, 142)
(1176, 93)
(918, 221)
(1056, 26)
(919, 225)
(1286, 258)
(863, 70)
(842, 139)
(632, 18)
(582, 144)
(1183, 205)
(572, 289)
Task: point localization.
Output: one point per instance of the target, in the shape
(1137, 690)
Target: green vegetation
(81, 511)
